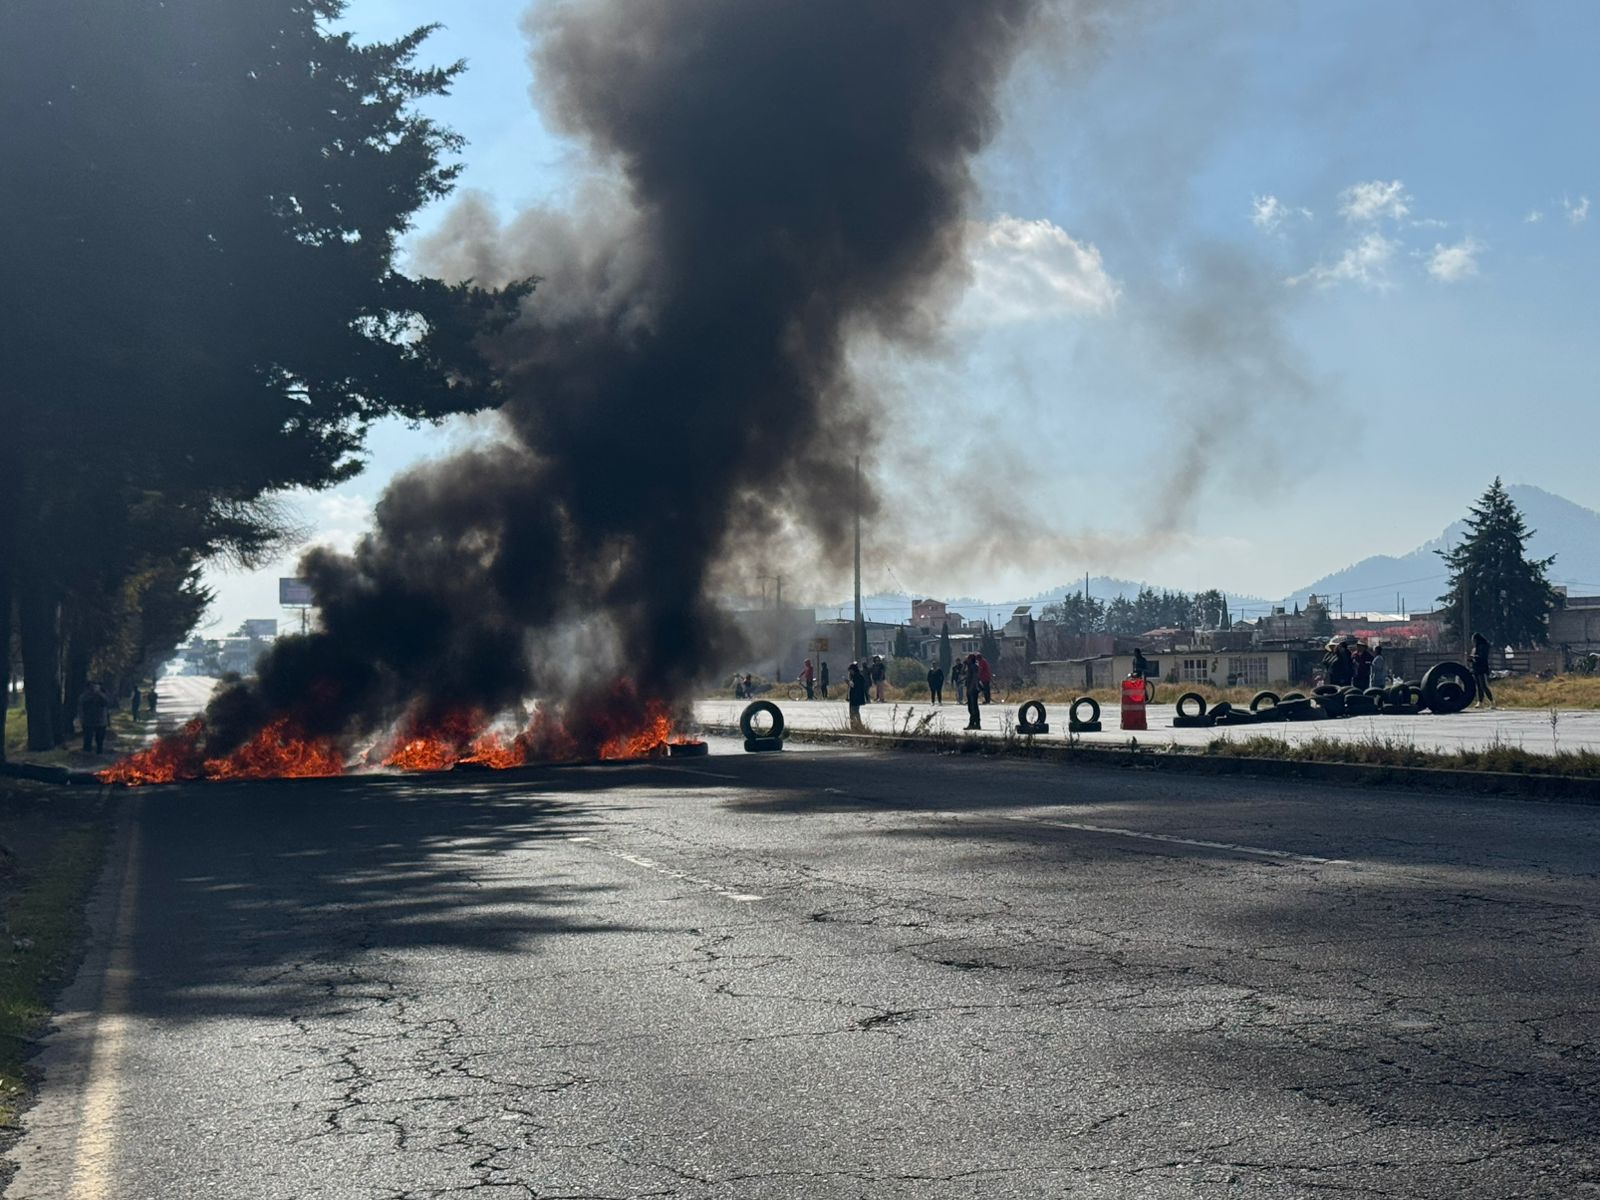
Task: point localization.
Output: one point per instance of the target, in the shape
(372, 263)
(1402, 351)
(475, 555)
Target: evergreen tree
(989, 647)
(203, 207)
(1122, 618)
(1508, 594)
(1227, 618)
(902, 643)
(945, 656)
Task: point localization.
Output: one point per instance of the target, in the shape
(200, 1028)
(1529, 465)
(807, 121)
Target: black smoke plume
(789, 173)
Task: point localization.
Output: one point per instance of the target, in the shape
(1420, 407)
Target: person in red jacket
(985, 678)
(808, 677)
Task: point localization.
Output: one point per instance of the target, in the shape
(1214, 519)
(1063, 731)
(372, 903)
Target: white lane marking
(1173, 839)
(94, 1170)
(650, 864)
(693, 771)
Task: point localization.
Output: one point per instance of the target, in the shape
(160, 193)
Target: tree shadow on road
(271, 897)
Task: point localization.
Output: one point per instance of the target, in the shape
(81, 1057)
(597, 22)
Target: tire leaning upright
(755, 709)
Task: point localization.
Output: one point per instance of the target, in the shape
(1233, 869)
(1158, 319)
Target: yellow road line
(93, 1171)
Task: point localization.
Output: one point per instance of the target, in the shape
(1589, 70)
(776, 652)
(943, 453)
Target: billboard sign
(294, 593)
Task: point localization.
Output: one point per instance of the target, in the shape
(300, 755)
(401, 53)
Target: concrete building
(1575, 627)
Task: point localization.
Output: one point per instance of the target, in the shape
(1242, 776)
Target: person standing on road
(1480, 669)
(94, 715)
(958, 680)
(974, 689)
(879, 672)
(822, 679)
(856, 685)
(936, 684)
(1380, 669)
(985, 678)
(809, 678)
(133, 703)
(150, 700)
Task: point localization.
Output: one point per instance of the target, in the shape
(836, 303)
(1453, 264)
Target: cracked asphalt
(830, 973)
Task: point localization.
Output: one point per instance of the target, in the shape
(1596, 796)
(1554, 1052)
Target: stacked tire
(1192, 712)
(1084, 716)
(760, 739)
(1031, 718)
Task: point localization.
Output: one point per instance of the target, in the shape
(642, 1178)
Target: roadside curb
(1562, 789)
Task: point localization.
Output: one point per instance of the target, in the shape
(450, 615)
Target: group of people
(968, 675)
(1352, 663)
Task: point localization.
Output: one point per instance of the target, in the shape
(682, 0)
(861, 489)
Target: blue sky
(1256, 290)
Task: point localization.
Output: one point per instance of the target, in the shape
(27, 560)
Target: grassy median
(1380, 751)
(52, 844)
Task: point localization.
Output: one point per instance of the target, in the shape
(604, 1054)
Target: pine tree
(945, 657)
(1508, 594)
(902, 643)
(989, 647)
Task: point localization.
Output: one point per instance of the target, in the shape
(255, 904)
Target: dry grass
(52, 841)
(1563, 691)
(1381, 751)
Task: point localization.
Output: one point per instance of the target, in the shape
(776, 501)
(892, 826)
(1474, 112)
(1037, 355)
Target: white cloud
(1372, 200)
(1365, 263)
(1268, 213)
(339, 519)
(1577, 213)
(1032, 270)
(1450, 264)
(1533, 218)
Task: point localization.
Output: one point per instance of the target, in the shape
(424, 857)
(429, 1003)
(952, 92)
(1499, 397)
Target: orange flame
(171, 758)
(279, 751)
(622, 729)
(642, 743)
(437, 746)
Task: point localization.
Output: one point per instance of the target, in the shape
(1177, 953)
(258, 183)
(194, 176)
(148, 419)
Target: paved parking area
(1534, 730)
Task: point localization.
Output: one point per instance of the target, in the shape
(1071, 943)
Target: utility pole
(861, 620)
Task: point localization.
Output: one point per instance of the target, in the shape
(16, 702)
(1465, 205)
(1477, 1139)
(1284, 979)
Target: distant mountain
(1567, 530)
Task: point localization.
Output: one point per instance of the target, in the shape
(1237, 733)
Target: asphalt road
(829, 973)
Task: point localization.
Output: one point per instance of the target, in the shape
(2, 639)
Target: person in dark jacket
(1341, 667)
(1361, 662)
(974, 714)
(822, 679)
(936, 684)
(856, 684)
(94, 715)
(878, 673)
(1480, 670)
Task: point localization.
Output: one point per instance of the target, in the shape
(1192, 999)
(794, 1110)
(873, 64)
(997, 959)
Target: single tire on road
(757, 708)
